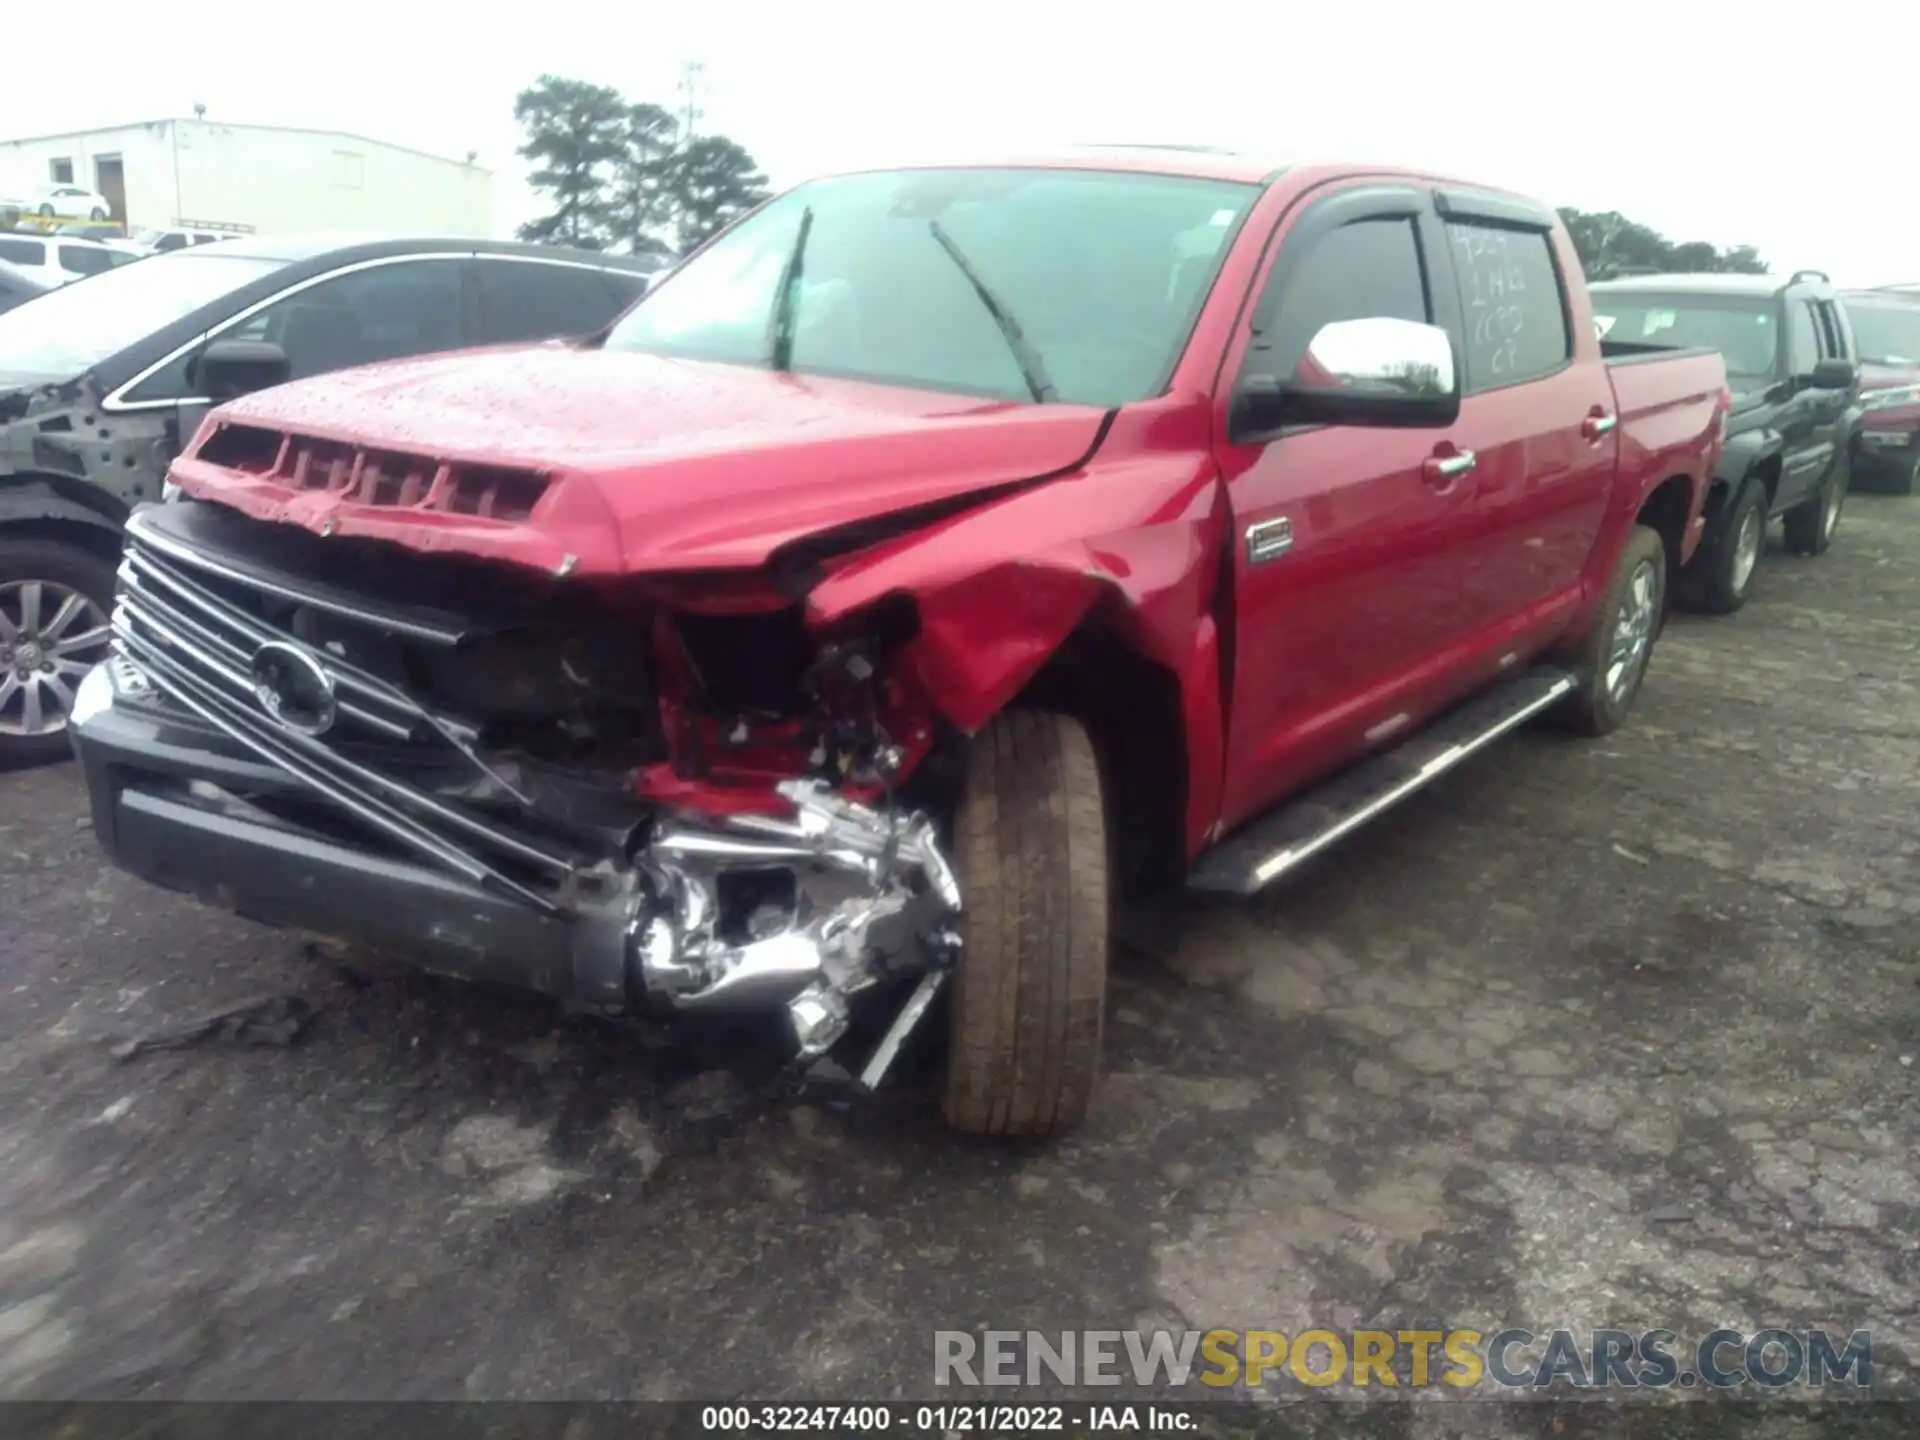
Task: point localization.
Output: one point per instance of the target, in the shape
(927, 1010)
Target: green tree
(714, 182)
(576, 135)
(643, 203)
(1609, 244)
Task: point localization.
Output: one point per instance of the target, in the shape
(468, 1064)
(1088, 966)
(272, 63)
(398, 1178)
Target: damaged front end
(638, 801)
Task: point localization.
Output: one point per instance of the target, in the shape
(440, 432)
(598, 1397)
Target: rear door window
(1512, 306)
(526, 300)
(84, 259)
(22, 252)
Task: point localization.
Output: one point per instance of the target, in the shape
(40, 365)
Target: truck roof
(348, 246)
(1197, 162)
(1714, 284)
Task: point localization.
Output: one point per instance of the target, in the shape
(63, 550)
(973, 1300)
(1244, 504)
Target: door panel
(1541, 426)
(1807, 447)
(1332, 620)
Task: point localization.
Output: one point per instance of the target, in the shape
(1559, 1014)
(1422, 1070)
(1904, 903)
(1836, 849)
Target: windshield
(65, 331)
(1101, 273)
(1742, 328)
(1886, 334)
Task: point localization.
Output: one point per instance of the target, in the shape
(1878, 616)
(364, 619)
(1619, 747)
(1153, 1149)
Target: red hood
(1885, 377)
(656, 464)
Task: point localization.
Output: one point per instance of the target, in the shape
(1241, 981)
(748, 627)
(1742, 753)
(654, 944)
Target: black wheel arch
(80, 514)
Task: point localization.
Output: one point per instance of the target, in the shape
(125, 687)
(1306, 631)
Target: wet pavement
(1598, 1033)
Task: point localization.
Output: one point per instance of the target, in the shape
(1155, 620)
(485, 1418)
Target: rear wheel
(1028, 1002)
(46, 210)
(54, 602)
(1812, 524)
(1720, 577)
(1613, 658)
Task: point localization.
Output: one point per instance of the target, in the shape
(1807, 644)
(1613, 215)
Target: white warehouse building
(208, 173)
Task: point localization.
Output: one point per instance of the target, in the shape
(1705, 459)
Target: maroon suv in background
(1886, 328)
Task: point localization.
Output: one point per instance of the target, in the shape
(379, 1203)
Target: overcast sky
(1706, 120)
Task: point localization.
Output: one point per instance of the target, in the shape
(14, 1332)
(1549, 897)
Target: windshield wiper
(1032, 368)
(780, 323)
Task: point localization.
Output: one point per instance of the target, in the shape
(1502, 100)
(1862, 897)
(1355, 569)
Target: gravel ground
(1612, 1033)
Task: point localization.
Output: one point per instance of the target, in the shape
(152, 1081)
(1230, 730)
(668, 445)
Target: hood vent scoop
(378, 478)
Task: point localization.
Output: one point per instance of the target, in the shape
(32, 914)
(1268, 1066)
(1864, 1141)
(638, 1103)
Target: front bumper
(163, 790)
(168, 796)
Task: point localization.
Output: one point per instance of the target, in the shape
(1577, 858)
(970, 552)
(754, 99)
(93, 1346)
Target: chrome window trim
(116, 403)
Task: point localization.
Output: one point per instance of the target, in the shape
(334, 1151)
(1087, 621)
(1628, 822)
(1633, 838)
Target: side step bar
(1267, 847)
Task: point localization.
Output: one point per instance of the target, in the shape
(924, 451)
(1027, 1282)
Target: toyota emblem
(294, 688)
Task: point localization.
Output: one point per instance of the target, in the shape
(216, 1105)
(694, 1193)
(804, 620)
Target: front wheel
(54, 602)
(1613, 658)
(1812, 524)
(1720, 577)
(1030, 843)
(96, 214)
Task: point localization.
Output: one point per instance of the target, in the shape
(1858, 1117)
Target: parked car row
(60, 259)
(934, 557)
(1826, 398)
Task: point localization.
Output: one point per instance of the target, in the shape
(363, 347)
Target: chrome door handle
(1594, 426)
(1448, 468)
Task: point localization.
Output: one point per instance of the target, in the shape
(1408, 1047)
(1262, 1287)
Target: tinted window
(172, 240)
(84, 259)
(526, 300)
(1803, 345)
(383, 313)
(1103, 272)
(1514, 315)
(23, 252)
(1366, 270)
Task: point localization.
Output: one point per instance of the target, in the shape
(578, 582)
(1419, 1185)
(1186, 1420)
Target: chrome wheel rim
(1830, 510)
(1633, 632)
(50, 636)
(1746, 549)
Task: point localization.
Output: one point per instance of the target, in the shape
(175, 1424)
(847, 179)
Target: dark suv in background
(1886, 326)
(1794, 368)
(103, 382)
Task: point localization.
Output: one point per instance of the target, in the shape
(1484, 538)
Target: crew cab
(1795, 374)
(933, 558)
(101, 382)
(1886, 327)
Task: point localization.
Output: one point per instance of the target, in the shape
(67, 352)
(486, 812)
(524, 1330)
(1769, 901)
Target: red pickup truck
(935, 557)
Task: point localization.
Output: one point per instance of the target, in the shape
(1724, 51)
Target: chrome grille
(175, 621)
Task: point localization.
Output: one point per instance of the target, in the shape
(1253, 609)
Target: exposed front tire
(1812, 524)
(1028, 1002)
(1719, 579)
(1612, 661)
(54, 603)
(96, 213)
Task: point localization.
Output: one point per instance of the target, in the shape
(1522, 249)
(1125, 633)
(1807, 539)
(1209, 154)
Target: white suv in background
(156, 242)
(57, 259)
